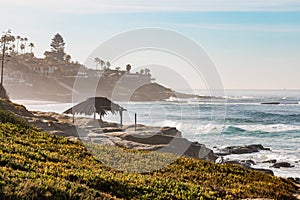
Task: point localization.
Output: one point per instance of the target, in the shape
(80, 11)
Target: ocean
(238, 118)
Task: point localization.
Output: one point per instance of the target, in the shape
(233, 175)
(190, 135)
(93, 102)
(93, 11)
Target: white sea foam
(32, 102)
(238, 97)
(45, 106)
(270, 127)
(217, 128)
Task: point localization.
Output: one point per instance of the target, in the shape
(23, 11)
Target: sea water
(238, 118)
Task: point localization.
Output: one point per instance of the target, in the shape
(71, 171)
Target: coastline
(57, 124)
(263, 155)
(149, 138)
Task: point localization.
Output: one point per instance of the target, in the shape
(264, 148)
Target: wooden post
(94, 116)
(121, 118)
(135, 119)
(73, 118)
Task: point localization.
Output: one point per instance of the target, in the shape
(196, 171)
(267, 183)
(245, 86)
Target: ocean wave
(229, 129)
(239, 97)
(260, 129)
(275, 117)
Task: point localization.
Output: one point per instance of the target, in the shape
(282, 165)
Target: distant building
(42, 69)
(14, 78)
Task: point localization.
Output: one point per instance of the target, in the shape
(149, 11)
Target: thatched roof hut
(93, 105)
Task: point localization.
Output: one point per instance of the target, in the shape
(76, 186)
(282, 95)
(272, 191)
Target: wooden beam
(121, 118)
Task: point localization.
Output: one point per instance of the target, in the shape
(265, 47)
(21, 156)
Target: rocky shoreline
(142, 137)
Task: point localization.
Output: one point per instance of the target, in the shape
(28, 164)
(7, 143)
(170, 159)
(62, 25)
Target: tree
(31, 45)
(18, 40)
(97, 61)
(102, 63)
(142, 71)
(4, 41)
(57, 48)
(22, 47)
(108, 64)
(25, 40)
(128, 67)
(147, 71)
(13, 47)
(68, 58)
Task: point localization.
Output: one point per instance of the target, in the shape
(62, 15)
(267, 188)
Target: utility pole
(3, 40)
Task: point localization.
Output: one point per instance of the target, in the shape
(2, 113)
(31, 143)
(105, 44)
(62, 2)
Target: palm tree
(128, 67)
(97, 61)
(22, 47)
(102, 63)
(18, 39)
(31, 45)
(147, 71)
(25, 39)
(13, 47)
(22, 40)
(12, 39)
(68, 58)
(108, 64)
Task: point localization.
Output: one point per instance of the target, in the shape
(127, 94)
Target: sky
(253, 44)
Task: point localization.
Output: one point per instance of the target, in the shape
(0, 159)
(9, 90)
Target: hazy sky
(254, 44)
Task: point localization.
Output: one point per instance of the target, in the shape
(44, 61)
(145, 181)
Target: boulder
(243, 149)
(282, 164)
(112, 129)
(170, 131)
(248, 162)
(270, 161)
(154, 139)
(175, 145)
(197, 150)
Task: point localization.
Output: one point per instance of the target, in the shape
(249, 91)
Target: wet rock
(270, 161)
(243, 149)
(248, 162)
(170, 131)
(282, 164)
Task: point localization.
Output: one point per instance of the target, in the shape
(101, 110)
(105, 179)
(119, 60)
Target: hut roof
(100, 105)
